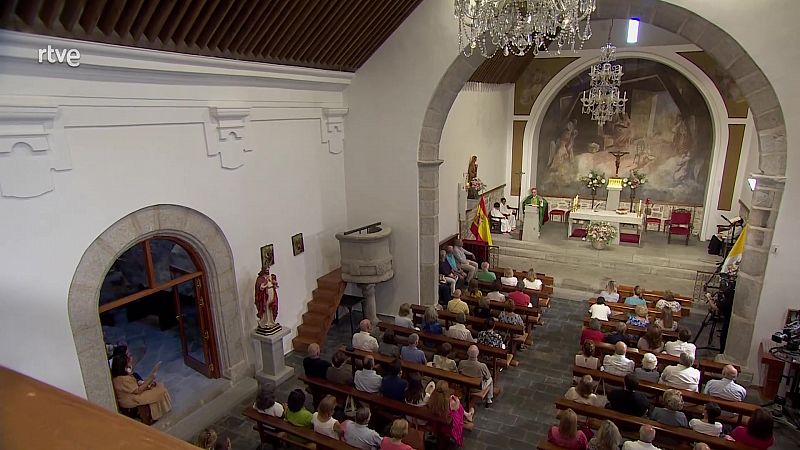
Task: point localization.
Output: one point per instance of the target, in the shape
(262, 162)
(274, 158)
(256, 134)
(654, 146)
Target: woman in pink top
(394, 441)
(566, 433)
(758, 433)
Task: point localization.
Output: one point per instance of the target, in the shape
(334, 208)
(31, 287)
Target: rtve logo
(56, 56)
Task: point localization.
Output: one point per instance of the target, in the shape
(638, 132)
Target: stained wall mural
(666, 130)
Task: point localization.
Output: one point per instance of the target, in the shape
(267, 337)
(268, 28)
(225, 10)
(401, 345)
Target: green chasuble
(537, 201)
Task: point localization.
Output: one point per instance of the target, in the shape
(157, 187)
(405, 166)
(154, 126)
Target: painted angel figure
(266, 299)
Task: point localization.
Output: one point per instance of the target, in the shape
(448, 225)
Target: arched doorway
(212, 252)
(765, 108)
(154, 300)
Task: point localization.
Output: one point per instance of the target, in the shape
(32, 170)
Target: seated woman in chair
(131, 393)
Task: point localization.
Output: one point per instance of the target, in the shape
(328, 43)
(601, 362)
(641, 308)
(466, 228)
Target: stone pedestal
(530, 226)
(612, 203)
(370, 312)
(273, 370)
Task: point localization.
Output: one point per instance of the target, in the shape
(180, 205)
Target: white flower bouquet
(476, 184)
(634, 180)
(601, 232)
(594, 180)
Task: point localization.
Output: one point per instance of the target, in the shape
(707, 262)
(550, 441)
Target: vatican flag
(734, 257)
(480, 225)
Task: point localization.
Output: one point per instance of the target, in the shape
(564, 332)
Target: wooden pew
(531, 316)
(654, 296)
(266, 424)
(629, 309)
(542, 294)
(495, 358)
(544, 444)
(684, 435)
(453, 378)
(546, 280)
(611, 326)
(740, 409)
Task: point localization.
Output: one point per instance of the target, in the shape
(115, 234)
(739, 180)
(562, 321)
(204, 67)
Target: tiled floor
(524, 410)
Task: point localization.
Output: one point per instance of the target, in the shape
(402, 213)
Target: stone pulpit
(366, 260)
(614, 187)
(530, 224)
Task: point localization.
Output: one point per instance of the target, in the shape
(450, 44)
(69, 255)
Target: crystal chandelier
(602, 101)
(519, 26)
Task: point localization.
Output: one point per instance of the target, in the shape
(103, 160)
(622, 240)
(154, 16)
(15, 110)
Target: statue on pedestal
(266, 300)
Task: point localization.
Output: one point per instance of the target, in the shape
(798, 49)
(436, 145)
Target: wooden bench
(546, 280)
(630, 309)
(740, 409)
(542, 294)
(531, 316)
(611, 325)
(547, 445)
(683, 435)
(654, 296)
(269, 429)
(453, 378)
(495, 357)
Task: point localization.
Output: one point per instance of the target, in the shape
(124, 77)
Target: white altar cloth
(606, 216)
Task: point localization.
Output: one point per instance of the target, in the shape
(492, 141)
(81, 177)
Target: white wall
(147, 146)
(478, 124)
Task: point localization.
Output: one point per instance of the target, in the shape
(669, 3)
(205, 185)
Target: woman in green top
(537, 200)
(296, 412)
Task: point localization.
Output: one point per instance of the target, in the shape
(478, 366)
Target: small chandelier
(519, 26)
(602, 101)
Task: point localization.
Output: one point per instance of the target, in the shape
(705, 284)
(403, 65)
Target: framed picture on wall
(267, 256)
(297, 244)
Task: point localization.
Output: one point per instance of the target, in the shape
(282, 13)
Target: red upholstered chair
(680, 223)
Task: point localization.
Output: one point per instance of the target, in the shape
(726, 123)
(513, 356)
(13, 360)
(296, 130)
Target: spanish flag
(734, 257)
(480, 224)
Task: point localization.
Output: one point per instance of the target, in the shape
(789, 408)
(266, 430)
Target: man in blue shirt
(411, 353)
(392, 386)
(635, 299)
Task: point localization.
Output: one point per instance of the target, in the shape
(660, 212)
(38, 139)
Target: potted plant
(474, 188)
(634, 180)
(601, 234)
(594, 181)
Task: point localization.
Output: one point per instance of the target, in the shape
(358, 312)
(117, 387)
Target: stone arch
(205, 237)
(770, 126)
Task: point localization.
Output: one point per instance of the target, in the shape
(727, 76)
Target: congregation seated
(583, 392)
(404, 318)
(508, 278)
(468, 266)
(447, 407)
(313, 365)
(586, 358)
(758, 431)
(607, 437)
(388, 345)
(394, 441)
(411, 353)
(363, 340)
(531, 282)
(610, 293)
(484, 274)
(446, 272)
(296, 412)
(639, 317)
(649, 369)
(566, 434)
(682, 375)
(508, 316)
(636, 298)
(366, 379)
(451, 259)
(322, 420)
(668, 302)
(651, 341)
(592, 332)
(488, 336)
(682, 345)
(726, 388)
(672, 412)
(359, 434)
(647, 434)
(628, 400)
(483, 310)
(430, 321)
(442, 360)
(618, 335)
(133, 394)
(495, 295)
(471, 367)
(339, 373)
(459, 330)
(456, 305)
(519, 297)
(618, 364)
(708, 424)
(392, 385)
(665, 322)
(600, 310)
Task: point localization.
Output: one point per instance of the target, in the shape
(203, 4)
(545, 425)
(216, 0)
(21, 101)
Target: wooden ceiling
(501, 69)
(330, 34)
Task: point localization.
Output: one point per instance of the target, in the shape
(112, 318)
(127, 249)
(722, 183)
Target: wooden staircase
(321, 311)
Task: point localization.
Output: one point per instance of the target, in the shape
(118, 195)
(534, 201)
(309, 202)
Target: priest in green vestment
(537, 200)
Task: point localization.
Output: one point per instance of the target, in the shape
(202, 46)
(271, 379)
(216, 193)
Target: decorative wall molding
(32, 145)
(228, 137)
(332, 129)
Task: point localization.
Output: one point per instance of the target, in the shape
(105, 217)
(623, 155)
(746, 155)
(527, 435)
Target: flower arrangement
(601, 232)
(594, 180)
(634, 180)
(477, 185)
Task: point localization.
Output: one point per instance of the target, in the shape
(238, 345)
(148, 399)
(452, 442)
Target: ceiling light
(633, 30)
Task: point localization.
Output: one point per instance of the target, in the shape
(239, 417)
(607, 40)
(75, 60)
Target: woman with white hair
(649, 370)
(672, 413)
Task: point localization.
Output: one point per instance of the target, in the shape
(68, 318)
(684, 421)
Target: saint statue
(266, 300)
(472, 170)
(537, 200)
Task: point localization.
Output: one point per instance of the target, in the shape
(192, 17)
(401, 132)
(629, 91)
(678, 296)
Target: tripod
(792, 379)
(711, 319)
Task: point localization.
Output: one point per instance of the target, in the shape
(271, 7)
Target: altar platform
(576, 266)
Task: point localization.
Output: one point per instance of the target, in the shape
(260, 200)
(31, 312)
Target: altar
(612, 217)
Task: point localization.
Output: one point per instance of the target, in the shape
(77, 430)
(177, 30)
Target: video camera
(790, 335)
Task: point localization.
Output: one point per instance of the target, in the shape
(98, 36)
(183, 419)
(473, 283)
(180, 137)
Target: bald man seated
(313, 365)
(726, 388)
(618, 364)
(363, 340)
(647, 434)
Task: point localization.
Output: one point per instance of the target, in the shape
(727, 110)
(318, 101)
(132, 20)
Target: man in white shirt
(647, 434)
(682, 345)
(367, 379)
(505, 225)
(363, 340)
(504, 209)
(600, 310)
(458, 330)
(682, 375)
(618, 363)
(726, 388)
